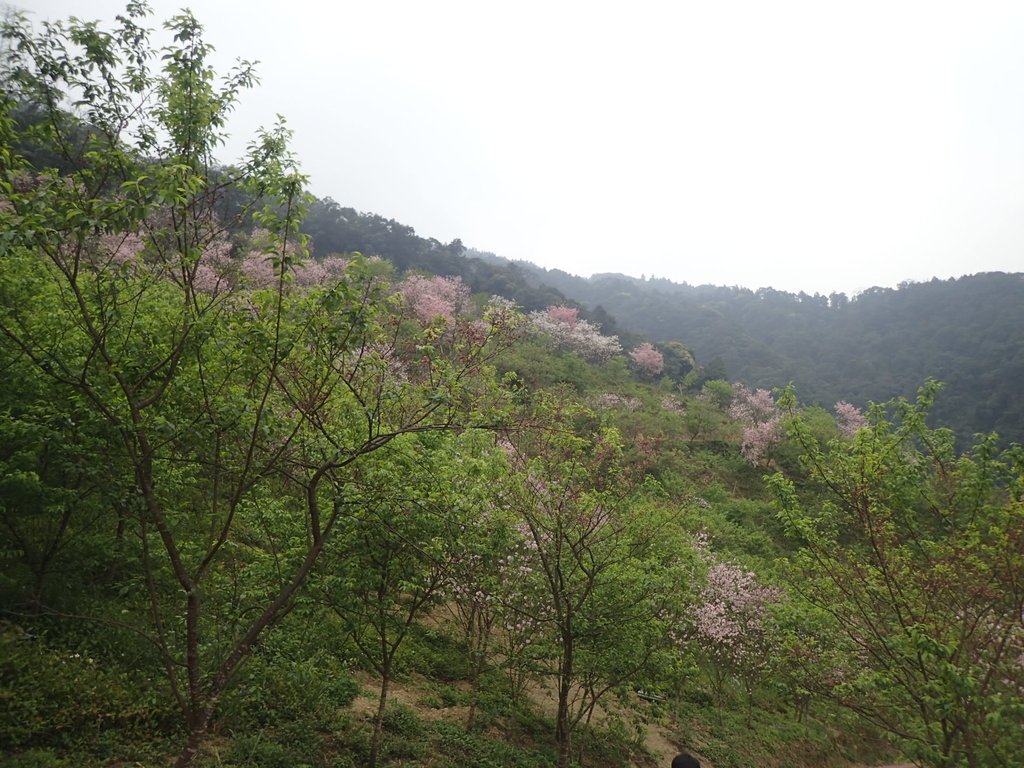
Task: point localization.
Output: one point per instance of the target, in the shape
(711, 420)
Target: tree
(566, 331)
(731, 621)
(230, 406)
(596, 563)
(648, 360)
(678, 361)
(849, 419)
(433, 298)
(762, 422)
(915, 555)
(396, 550)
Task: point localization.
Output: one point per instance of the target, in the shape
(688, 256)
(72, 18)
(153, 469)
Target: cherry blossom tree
(761, 420)
(647, 359)
(568, 316)
(732, 622)
(849, 419)
(434, 298)
(562, 327)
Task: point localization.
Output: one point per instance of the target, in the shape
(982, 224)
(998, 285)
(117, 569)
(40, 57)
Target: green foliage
(257, 751)
(878, 345)
(404, 734)
(913, 557)
(467, 750)
(34, 758)
(435, 654)
(66, 699)
(289, 683)
(400, 720)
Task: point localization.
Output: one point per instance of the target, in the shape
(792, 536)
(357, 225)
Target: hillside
(880, 344)
(269, 506)
(967, 333)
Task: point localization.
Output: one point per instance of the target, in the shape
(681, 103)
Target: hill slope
(882, 343)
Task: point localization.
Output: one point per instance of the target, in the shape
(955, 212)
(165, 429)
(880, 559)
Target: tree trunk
(378, 720)
(563, 729)
(479, 646)
(200, 723)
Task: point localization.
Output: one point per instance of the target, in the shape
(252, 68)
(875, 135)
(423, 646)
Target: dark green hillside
(967, 333)
(878, 345)
(335, 229)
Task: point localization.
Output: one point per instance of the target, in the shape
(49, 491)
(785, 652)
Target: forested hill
(334, 228)
(877, 345)
(967, 333)
(259, 509)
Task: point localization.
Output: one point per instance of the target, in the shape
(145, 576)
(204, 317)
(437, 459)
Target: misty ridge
(877, 345)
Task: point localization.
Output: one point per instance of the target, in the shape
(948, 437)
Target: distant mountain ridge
(966, 332)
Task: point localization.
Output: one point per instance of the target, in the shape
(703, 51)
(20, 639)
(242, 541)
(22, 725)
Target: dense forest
(879, 344)
(285, 484)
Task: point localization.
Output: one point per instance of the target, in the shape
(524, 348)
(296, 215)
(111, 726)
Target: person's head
(685, 760)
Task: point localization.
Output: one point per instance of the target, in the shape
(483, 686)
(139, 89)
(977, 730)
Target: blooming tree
(761, 419)
(434, 298)
(647, 359)
(562, 327)
(732, 621)
(849, 418)
(568, 316)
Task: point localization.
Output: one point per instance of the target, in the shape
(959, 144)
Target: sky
(806, 146)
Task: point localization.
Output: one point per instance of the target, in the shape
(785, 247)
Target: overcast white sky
(812, 146)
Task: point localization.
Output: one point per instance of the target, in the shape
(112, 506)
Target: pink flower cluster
(761, 419)
(565, 331)
(434, 298)
(565, 315)
(219, 269)
(752, 406)
(732, 613)
(849, 418)
(648, 360)
(122, 249)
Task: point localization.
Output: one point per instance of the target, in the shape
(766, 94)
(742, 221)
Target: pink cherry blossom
(565, 331)
(565, 315)
(433, 298)
(648, 360)
(761, 420)
(849, 418)
(732, 614)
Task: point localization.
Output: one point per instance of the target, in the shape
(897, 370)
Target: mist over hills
(966, 332)
(882, 343)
